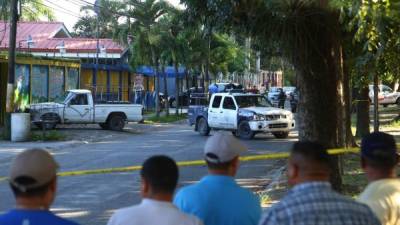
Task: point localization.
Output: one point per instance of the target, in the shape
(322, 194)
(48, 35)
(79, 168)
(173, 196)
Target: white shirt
(383, 197)
(152, 212)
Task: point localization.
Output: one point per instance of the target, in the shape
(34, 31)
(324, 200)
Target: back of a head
(32, 172)
(379, 150)
(161, 172)
(310, 156)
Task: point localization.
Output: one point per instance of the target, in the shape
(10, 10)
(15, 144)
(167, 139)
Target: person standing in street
(33, 180)
(311, 199)
(379, 159)
(217, 199)
(281, 98)
(159, 177)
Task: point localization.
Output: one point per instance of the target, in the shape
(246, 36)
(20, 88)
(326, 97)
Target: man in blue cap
(379, 160)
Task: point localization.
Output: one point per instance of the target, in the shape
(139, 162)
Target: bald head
(308, 161)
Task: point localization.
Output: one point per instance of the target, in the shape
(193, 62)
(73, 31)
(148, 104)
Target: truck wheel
(281, 135)
(202, 127)
(104, 126)
(385, 105)
(116, 123)
(235, 133)
(398, 101)
(244, 130)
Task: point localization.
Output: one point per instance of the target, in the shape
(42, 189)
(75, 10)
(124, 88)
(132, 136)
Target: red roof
(48, 35)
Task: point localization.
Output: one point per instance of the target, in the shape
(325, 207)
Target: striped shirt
(315, 203)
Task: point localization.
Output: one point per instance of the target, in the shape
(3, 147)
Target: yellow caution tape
(268, 156)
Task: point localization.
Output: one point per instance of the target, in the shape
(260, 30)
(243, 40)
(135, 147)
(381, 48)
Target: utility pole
(11, 65)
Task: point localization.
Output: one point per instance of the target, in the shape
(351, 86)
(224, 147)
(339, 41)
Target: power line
(61, 9)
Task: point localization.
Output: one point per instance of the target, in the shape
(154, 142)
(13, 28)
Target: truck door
(78, 110)
(229, 113)
(215, 112)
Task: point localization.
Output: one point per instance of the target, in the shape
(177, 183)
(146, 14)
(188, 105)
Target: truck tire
(116, 123)
(398, 101)
(235, 133)
(244, 130)
(385, 105)
(281, 135)
(104, 126)
(202, 127)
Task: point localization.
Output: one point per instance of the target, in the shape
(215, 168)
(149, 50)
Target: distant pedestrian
(33, 181)
(159, 177)
(379, 159)
(311, 199)
(217, 199)
(281, 98)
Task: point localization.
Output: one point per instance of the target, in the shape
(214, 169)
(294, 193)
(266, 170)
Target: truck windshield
(252, 101)
(68, 96)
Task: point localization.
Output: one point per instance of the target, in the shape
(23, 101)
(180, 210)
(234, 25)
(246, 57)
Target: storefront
(38, 80)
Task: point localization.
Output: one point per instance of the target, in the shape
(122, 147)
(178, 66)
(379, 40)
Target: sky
(68, 11)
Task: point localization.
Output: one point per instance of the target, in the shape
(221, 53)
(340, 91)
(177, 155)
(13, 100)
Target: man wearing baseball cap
(379, 159)
(217, 199)
(33, 180)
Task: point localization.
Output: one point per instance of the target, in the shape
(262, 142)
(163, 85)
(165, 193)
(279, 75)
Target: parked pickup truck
(78, 107)
(243, 114)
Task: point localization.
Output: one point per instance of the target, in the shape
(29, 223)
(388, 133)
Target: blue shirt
(316, 203)
(32, 217)
(219, 200)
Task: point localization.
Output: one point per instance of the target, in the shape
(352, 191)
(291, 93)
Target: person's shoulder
(189, 189)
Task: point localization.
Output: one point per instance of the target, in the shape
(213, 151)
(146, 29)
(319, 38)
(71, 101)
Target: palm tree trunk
(157, 80)
(165, 90)
(176, 88)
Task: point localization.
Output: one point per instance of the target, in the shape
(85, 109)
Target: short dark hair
(161, 172)
(32, 192)
(378, 150)
(312, 152)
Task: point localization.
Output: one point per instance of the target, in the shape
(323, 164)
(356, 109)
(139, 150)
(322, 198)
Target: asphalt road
(91, 199)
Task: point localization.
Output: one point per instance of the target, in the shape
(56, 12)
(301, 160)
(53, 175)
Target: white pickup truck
(386, 95)
(78, 107)
(243, 114)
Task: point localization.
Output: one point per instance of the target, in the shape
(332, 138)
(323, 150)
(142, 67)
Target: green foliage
(165, 119)
(110, 13)
(32, 10)
(52, 135)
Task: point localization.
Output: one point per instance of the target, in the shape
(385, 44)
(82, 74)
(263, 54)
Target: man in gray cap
(33, 180)
(217, 199)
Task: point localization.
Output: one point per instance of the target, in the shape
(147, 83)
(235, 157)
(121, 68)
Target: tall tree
(32, 10)
(110, 13)
(308, 33)
(145, 15)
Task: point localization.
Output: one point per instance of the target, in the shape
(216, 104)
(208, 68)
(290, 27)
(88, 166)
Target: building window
(39, 82)
(56, 84)
(21, 93)
(72, 79)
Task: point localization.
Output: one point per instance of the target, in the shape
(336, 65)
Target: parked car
(78, 107)
(386, 95)
(242, 113)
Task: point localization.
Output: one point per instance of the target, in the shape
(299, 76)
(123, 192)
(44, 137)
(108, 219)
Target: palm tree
(145, 15)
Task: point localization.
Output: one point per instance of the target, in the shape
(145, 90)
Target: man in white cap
(217, 199)
(33, 180)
